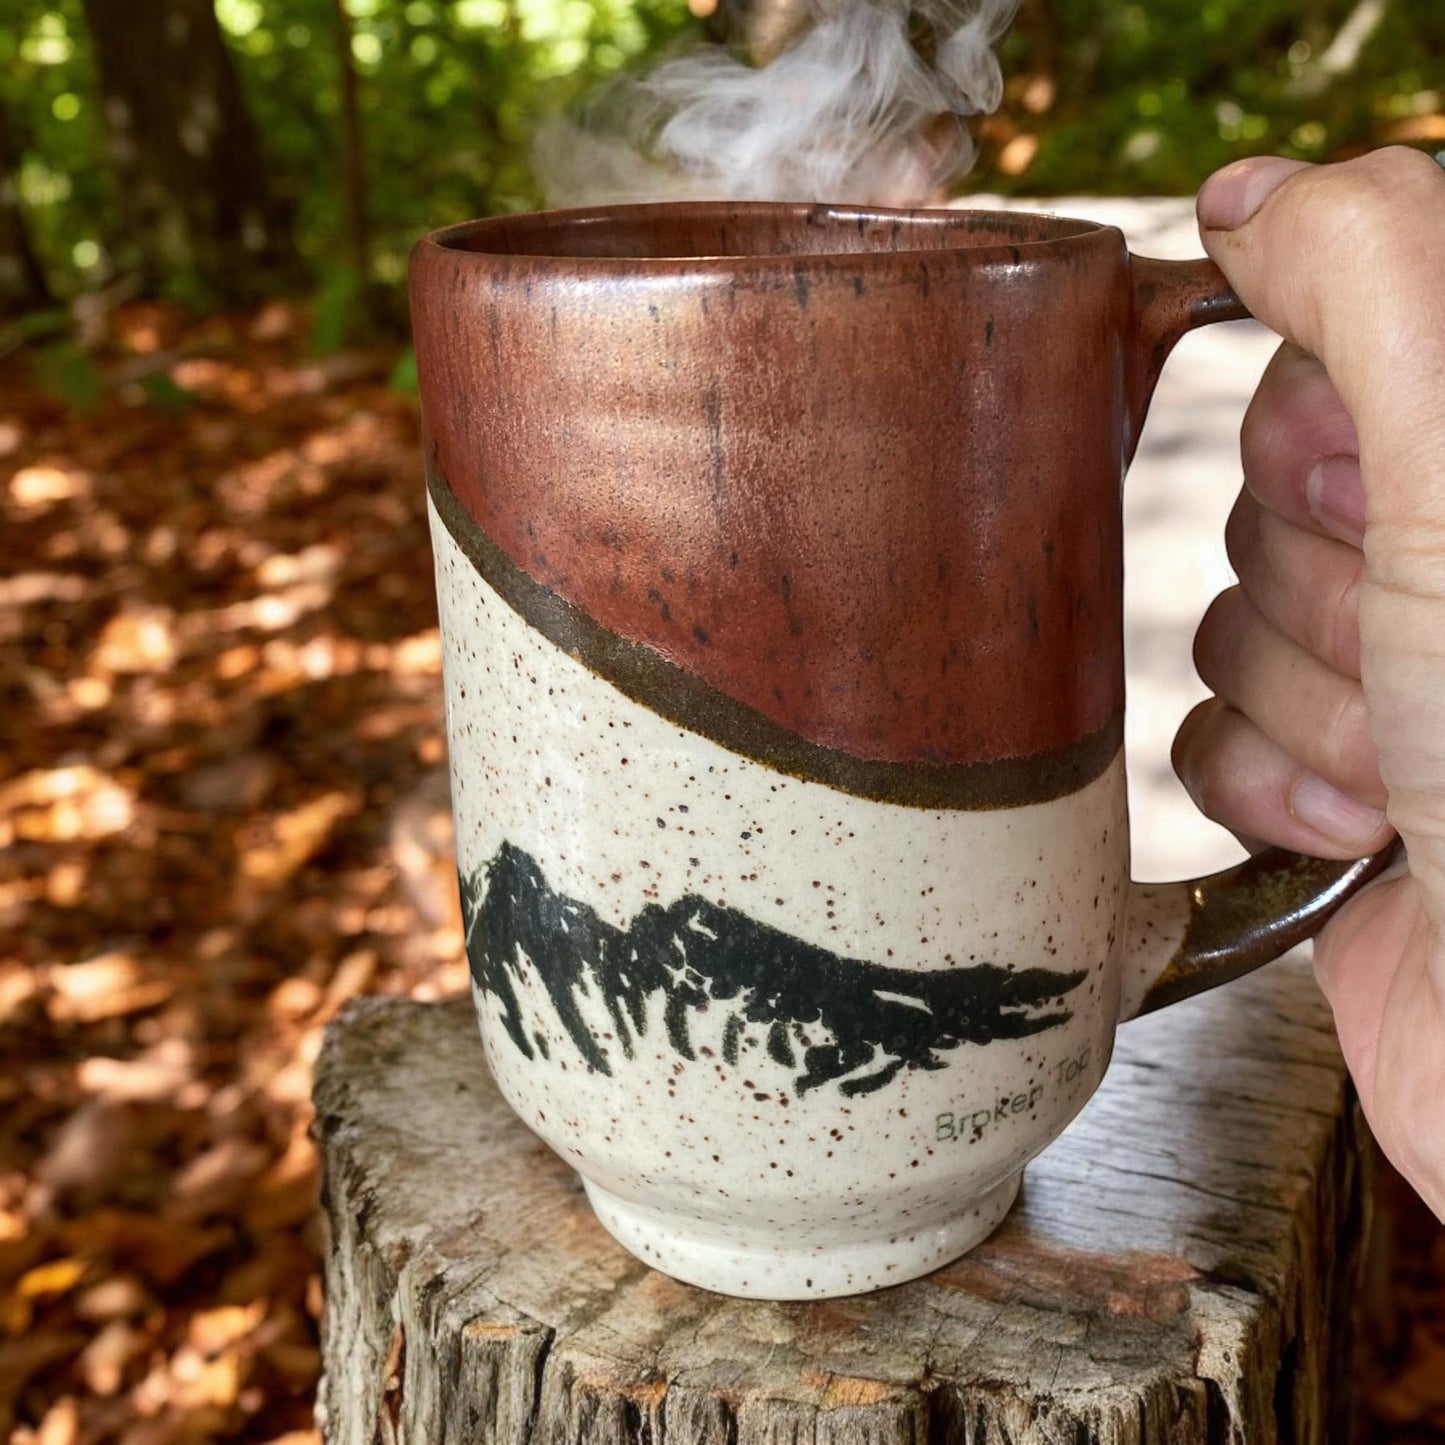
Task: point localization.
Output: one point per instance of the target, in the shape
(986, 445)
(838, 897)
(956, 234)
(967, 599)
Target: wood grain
(1181, 1267)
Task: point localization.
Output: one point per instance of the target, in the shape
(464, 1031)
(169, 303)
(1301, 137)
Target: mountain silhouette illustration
(695, 955)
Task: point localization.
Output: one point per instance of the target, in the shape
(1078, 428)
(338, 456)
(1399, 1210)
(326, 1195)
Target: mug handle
(1186, 937)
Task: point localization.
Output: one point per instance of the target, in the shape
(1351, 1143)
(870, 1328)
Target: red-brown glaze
(857, 471)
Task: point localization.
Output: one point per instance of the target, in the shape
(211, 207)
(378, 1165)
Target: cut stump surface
(1180, 1268)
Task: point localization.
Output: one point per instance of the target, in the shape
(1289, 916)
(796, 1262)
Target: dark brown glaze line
(919, 561)
(672, 693)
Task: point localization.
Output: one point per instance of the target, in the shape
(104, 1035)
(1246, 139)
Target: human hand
(1328, 660)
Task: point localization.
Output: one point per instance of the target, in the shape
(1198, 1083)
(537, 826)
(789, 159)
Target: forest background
(213, 153)
(223, 801)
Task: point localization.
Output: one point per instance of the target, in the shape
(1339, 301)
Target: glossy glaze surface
(779, 566)
(787, 476)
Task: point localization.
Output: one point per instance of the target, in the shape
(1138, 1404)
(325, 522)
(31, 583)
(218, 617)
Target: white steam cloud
(864, 104)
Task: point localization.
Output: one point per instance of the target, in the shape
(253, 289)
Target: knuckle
(1358, 203)
(1258, 430)
(1208, 793)
(1395, 166)
(1420, 814)
(1407, 558)
(1190, 731)
(1195, 748)
(1294, 417)
(1347, 748)
(1269, 426)
(1240, 531)
(1212, 642)
(1338, 641)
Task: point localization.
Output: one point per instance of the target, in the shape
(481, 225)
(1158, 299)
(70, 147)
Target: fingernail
(1231, 196)
(1335, 495)
(1333, 813)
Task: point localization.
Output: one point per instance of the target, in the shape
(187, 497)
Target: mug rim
(1060, 234)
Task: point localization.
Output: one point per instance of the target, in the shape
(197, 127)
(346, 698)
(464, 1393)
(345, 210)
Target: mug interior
(696, 230)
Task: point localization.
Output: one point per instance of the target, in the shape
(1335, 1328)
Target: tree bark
(22, 282)
(193, 186)
(1181, 1269)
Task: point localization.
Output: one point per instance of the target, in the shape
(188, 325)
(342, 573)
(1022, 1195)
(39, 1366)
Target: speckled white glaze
(728, 1176)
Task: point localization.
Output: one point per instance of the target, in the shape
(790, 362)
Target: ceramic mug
(779, 561)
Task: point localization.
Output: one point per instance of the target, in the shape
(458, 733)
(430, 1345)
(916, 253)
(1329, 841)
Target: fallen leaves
(64, 804)
(136, 640)
(222, 720)
(214, 1182)
(272, 849)
(61, 1425)
(34, 489)
(104, 1362)
(54, 1278)
(22, 1359)
(106, 987)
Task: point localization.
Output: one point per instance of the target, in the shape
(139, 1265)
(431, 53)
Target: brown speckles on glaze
(925, 625)
(679, 695)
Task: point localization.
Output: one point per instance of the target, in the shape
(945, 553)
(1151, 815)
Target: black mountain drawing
(695, 954)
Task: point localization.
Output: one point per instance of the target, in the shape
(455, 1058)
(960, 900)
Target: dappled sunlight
(224, 814)
(63, 804)
(136, 640)
(35, 489)
(111, 986)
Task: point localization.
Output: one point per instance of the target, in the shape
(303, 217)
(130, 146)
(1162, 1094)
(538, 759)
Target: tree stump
(1181, 1266)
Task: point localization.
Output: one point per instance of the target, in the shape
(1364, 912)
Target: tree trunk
(1181, 1270)
(22, 282)
(192, 184)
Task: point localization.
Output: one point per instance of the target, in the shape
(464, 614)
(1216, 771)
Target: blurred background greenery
(211, 152)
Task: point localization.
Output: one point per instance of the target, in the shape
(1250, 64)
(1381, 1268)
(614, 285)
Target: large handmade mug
(779, 560)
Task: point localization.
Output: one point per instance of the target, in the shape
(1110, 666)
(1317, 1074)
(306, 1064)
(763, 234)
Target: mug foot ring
(754, 1270)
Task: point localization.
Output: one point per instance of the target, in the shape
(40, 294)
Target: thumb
(1344, 261)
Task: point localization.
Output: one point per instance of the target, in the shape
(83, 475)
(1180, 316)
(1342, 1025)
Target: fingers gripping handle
(1186, 937)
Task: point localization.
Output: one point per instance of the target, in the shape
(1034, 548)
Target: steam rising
(863, 104)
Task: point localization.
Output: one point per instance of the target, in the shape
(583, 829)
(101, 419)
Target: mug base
(774, 1272)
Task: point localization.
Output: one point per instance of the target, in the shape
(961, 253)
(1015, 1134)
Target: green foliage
(50, 109)
(68, 374)
(337, 310)
(163, 393)
(1152, 95)
(449, 93)
(1146, 96)
(44, 325)
(403, 379)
